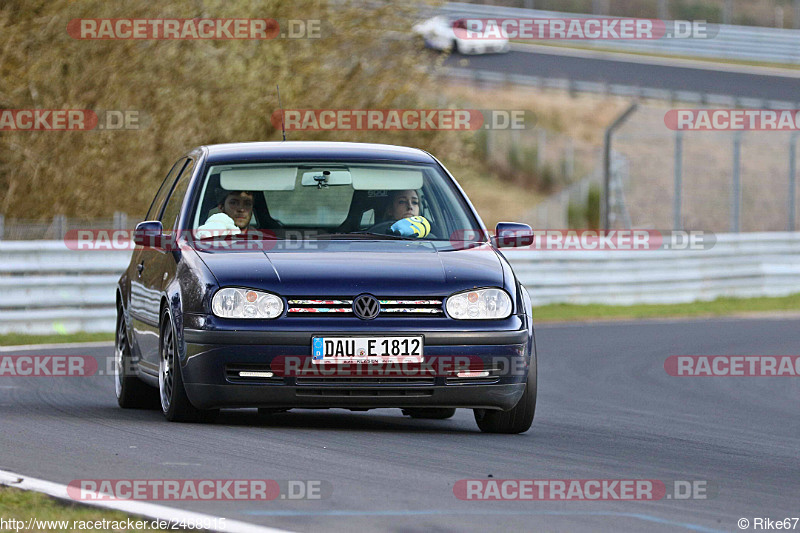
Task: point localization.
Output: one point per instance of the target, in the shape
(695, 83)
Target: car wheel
(516, 420)
(431, 413)
(132, 393)
(174, 403)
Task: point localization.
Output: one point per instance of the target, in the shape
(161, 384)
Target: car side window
(173, 208)
(161, 196)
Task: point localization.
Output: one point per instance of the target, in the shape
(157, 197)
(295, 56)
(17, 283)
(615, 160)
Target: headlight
(246, 303)
(479, 304)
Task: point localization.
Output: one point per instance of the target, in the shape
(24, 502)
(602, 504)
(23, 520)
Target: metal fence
(773, 45)
(540, 83)
(718, 181)
(47, 288)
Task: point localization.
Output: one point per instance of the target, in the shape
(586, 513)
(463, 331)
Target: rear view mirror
(513, 234)
(323, 178)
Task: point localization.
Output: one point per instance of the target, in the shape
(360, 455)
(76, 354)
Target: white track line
(28, 347)
(148, 510)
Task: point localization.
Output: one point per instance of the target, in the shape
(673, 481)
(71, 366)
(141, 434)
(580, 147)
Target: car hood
(348, 268)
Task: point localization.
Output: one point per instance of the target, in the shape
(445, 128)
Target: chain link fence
(718, 181)
(710, 180)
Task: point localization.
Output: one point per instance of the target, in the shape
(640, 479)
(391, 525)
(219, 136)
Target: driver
(236, 210)
(404, 208)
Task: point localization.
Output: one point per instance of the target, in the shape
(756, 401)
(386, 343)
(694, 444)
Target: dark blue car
(323, 275)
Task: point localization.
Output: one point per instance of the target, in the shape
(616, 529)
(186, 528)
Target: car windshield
(332, 200)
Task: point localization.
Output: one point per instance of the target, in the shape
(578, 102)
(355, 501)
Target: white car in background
(439, 34)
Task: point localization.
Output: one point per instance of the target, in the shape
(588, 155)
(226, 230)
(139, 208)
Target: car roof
(314, 150)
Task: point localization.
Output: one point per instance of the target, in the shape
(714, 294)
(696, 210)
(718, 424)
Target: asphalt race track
(607, 410)
(739, 84)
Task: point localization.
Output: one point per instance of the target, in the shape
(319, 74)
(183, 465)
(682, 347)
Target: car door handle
(140, 267)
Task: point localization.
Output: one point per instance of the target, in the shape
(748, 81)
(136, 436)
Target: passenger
(404, 208)
(402, 204)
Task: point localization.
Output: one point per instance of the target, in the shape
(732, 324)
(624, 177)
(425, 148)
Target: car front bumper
(213, 359)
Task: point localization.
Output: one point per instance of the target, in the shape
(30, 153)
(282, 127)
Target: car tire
(516, 420)
(175, 403)
(132, 393)
(430, 413)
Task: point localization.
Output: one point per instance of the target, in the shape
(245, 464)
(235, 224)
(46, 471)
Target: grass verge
(16, 339)
(718, 307)
(22, 505)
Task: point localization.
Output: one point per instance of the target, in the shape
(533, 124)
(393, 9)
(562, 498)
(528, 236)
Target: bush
(547, 178)
(593, 207)
(686, 10)
(576, 216)
(191, 93)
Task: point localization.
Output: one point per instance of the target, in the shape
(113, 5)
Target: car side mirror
(512, 234)
(149, 234)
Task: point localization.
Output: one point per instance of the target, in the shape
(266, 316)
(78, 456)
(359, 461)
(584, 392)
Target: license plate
(366, 349)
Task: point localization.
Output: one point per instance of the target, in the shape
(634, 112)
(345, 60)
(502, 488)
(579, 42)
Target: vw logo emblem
(366, 307)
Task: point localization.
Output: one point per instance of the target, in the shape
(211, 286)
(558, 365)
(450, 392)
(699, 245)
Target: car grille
(406, 307)
(365, 392)
(359, 381)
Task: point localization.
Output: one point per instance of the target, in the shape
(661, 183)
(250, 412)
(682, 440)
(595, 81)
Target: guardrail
(577, 86)
(739, 265)
(752, 43)
(47, 288)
